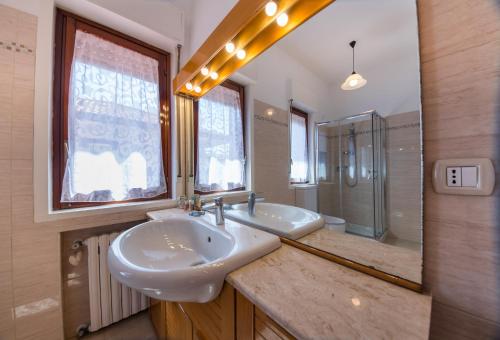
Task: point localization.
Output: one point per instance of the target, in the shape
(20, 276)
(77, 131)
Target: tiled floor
(137, 327)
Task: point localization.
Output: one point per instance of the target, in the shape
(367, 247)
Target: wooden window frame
(305, 115)
(241, 90)
(65, 29)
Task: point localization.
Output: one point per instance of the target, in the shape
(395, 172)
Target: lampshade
(353, 82)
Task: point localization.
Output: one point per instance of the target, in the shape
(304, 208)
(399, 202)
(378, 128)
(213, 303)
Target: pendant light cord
(352, 44)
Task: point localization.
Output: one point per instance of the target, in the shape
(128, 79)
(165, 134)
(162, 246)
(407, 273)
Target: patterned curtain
(221, 158)
(114, 132)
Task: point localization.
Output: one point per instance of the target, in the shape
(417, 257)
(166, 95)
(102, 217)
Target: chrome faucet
(251, 204)
(218, 207)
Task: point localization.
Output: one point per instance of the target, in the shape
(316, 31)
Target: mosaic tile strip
(270, 120)
(16, 47)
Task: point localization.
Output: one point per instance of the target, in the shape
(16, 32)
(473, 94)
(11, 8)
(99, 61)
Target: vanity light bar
(242, 35)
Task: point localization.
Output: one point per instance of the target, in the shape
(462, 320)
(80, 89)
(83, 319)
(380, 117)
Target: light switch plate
(469, 176)
(477, 176)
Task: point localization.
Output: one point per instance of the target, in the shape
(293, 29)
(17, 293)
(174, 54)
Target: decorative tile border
(270, 120)
(16, 47)
(397, 127)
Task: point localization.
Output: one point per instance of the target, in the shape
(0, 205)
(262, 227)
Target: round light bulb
(189, 86)
(282, 19)
(241, 54)
(204, 71)
(214, 75)
(353, 82)
(229, 47)
(269, 112)
(271, 8)
(197, 89)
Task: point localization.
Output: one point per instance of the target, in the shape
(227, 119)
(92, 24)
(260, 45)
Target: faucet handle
(219, 201)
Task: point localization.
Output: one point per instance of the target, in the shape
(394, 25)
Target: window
(111, 133)
(298, 147)
(220, 146)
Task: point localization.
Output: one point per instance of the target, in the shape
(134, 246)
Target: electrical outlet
(454, 176)
(464, 176)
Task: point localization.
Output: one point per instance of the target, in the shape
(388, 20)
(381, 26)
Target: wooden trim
(147, 47)
(66, 26)
(305, 115)
(241, 90)
(399, 281)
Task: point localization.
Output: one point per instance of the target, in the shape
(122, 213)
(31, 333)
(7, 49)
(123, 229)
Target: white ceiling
(385, 31)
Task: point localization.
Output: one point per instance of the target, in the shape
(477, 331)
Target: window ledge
(302, 185)
(228, 194)
(55, 215)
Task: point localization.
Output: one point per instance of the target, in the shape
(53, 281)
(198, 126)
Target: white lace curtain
(298, 145)
(221, 159)
(114, 133)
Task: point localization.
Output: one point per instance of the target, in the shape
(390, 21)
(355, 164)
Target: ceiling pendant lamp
(354, 81)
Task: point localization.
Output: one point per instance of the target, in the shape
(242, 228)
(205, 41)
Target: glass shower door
(356, 174)
(362, 174)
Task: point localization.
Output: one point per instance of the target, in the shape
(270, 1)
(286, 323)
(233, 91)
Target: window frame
(65, 29)
(232, 85)
(298, 112)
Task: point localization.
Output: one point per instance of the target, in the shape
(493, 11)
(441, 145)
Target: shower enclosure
(351, 172)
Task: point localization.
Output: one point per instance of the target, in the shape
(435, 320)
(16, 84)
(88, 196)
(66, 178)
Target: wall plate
(485, 176)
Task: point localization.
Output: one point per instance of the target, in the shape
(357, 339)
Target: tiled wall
(404, 163)
(30, 261)
(459, 45)
(271, 154)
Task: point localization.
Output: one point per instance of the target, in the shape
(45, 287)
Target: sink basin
(183, 258)
(280, 219)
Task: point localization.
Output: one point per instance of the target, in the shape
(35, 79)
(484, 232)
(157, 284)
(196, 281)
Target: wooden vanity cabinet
(231, 316)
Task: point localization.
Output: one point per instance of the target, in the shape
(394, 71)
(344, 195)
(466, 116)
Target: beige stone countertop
(314, 298)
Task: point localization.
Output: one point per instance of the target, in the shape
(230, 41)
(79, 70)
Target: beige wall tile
(8, 22)
(41, 321)
(459, 50)
(449, 323)
(271, 154)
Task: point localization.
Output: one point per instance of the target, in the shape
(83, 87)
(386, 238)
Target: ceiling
(386, 32)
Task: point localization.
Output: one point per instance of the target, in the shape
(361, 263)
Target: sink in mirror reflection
(283, 220)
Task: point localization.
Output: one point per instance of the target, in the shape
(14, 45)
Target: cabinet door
(157, 315)
(213, 320)
(179, 326)
(252, 323)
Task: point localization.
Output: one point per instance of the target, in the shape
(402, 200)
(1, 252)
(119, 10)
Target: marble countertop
(397, 260)
(314, 298)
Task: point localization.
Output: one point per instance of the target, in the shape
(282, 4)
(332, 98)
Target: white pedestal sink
(182, 258)
(280, 219)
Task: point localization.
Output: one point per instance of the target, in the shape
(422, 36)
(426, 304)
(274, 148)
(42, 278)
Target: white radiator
(110, 301)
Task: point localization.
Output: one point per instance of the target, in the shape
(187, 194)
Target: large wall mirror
(333, 125)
